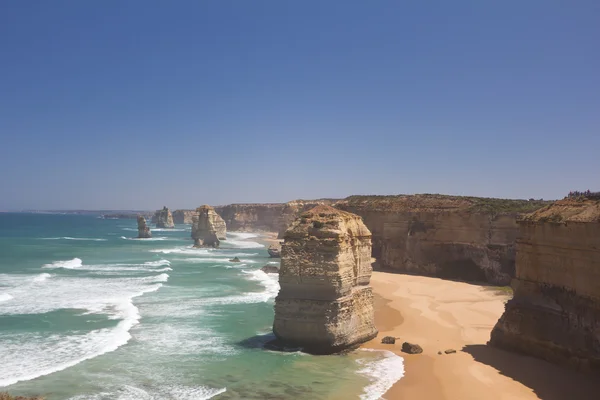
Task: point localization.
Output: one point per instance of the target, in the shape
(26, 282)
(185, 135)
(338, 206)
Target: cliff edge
(452, 237)
(555, 311)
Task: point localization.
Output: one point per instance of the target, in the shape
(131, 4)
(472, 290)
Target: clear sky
(139, 104)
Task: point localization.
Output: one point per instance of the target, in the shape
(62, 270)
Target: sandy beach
(440, 315)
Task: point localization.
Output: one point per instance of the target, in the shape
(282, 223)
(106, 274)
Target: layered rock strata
(143, 229)
(451, 237)
(555, 311)
(164, 218)
(208, 228)
(183, 216)
(325, 304)
(274, 217)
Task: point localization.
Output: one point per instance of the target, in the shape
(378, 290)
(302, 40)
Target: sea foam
(74, 238)
(240, 240)
(382, 373)
(5, 297)
(179, 392)
(27, 356)
(152, 239)
(270, 283)
(68, 264)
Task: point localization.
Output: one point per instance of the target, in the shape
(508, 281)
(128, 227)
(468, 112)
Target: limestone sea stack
(143, 229)
(208, 228)
(555, 311)
(164, 219)
(325, 304)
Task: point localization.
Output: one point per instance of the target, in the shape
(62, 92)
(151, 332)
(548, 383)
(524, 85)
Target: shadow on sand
(548, 381)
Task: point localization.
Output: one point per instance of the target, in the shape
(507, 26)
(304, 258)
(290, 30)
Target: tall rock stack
(208, 228)
(143, 229)
(325, 304)
(555, 311)
(164, 218)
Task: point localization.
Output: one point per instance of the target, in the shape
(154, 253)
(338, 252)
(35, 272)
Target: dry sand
(440, 315)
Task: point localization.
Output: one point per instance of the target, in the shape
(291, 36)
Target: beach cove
(440, 315)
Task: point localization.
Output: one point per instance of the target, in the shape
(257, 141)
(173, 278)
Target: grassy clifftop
(440, 202)
(567, 210)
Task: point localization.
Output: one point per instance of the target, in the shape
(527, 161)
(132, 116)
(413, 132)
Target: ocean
(89, 312)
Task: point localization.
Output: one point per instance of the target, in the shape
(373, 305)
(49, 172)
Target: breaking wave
(382, 373)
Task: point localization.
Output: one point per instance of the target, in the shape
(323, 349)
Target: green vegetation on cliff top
(422, 202)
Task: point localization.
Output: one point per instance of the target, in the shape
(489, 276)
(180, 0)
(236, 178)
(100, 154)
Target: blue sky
(136, 104)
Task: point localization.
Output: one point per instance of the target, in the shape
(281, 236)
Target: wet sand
(440, 315)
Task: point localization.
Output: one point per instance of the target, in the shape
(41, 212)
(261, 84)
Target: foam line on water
(382, 373)
(75, 238)
(67, 264)
(77, 264)
(178, 392)
(270, 283)
(181, 250)
(5, 297)
(152, 239)
(28, 359)
(42, 277)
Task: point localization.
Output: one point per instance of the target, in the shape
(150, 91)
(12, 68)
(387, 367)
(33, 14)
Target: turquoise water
(88, 312)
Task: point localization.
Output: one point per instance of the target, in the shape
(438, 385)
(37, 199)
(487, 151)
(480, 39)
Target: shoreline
(440, 315)
(267, 238)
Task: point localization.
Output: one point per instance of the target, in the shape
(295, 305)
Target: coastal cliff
(325, 303)
(452, 237)
(251, 217)
(183, 216)
(555, 311)
(208, 228)
(143, 229)
(163, 218)
(273, 217)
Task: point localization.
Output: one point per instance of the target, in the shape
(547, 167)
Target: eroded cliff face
(325, 304)
(274, 217)
(143, 229)
(183, 216)
(451, 237)
(250, 217)
(555, 311)
(208, 228)
(164, 218)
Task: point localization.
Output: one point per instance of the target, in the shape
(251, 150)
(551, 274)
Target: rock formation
(325, 304)
(208, 228)
(411, 348)
(451, 237)
(183, 216)
(143, 229)
(274, 217)
(274, 251)
(555, 311)
(467, 238)
(127, 215)
(270, 269)
(164, 219)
